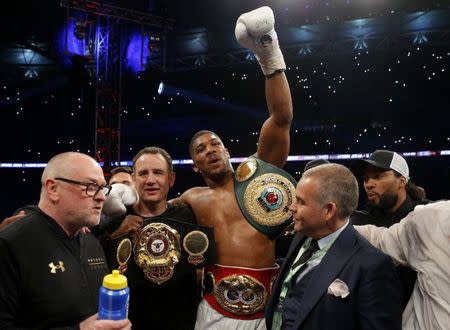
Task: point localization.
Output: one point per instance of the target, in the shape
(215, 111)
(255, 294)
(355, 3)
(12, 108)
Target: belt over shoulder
(264, 193)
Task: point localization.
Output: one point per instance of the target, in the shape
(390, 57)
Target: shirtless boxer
(237, 287)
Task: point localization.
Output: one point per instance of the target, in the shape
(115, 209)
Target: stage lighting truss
(200, 60)
(155, 43)
(360, 45)
(31, 74)
(420, 38)
(305, 50)
(81, 29)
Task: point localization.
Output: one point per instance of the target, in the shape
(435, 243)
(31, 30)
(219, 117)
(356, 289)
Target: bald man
(51, 272)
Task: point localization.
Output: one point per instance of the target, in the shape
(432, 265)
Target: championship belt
(239, 293)
(163, 242)
(264, 193)
(157, 250)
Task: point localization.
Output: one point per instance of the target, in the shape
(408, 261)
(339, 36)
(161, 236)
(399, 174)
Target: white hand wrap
(255, 31)
(118, 199)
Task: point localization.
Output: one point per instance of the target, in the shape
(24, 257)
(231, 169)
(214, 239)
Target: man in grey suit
(332, 278)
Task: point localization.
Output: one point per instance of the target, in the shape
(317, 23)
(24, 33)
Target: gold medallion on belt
(123, 253)
(240, 294)
(196, 243)
(157, 251)
(267, 199)
(246, 169)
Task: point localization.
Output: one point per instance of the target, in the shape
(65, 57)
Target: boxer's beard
(388, 200)
(218, 176)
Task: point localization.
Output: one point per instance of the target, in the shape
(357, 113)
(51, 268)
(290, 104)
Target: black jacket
(48, 279)
(171, 304)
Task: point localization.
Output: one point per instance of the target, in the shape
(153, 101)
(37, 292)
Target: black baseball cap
(384, 159)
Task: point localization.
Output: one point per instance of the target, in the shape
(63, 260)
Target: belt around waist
(239, 293)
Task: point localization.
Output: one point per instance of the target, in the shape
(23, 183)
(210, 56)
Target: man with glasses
(50, 271)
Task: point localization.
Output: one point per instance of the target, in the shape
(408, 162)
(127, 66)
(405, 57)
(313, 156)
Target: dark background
(346, 101)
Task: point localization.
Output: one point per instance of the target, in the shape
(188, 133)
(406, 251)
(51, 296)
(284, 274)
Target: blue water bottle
(113, 297)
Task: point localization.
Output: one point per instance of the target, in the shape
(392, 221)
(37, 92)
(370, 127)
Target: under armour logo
(54, 267)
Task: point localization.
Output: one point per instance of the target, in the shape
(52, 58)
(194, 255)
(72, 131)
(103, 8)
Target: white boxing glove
(255, 31)
(119, 198)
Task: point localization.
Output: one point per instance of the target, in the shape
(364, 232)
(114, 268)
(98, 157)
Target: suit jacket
(375, 294)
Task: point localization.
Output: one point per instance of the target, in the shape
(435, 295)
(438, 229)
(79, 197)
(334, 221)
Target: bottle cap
(115, 281)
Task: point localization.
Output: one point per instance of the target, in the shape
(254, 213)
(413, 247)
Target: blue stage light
(137, 52)
(68, 44)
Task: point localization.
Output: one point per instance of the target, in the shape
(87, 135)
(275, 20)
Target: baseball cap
(385, 159)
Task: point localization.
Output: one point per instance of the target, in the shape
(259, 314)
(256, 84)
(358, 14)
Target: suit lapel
(276, 288)
(297, 242)
(328, 269)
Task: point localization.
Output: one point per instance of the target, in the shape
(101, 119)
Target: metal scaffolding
(107, 43)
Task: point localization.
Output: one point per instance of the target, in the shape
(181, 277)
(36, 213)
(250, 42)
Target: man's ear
(329, 210)
(51, 187)
(172, 177)
(403, 181)
(195, 168)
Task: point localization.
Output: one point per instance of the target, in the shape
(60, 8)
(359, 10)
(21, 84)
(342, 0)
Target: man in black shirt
(51, 272)
(390, 193)
(148, 245)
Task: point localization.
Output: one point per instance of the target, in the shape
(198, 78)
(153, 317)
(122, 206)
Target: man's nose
(369, 183)
(150, 178)
(210, 149)
(100, 196)
(292, 208)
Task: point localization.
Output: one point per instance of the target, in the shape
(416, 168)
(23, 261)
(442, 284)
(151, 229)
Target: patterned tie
(313, 247)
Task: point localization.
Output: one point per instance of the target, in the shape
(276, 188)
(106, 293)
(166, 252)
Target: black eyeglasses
(92, 189)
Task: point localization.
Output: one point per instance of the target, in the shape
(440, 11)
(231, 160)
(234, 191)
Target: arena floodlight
(161, 88)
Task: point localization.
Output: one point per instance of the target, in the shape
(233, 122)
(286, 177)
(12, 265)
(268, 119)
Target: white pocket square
(338, 289)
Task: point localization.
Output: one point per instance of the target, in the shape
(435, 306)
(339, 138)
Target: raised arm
(274, 141)
(255, 31)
